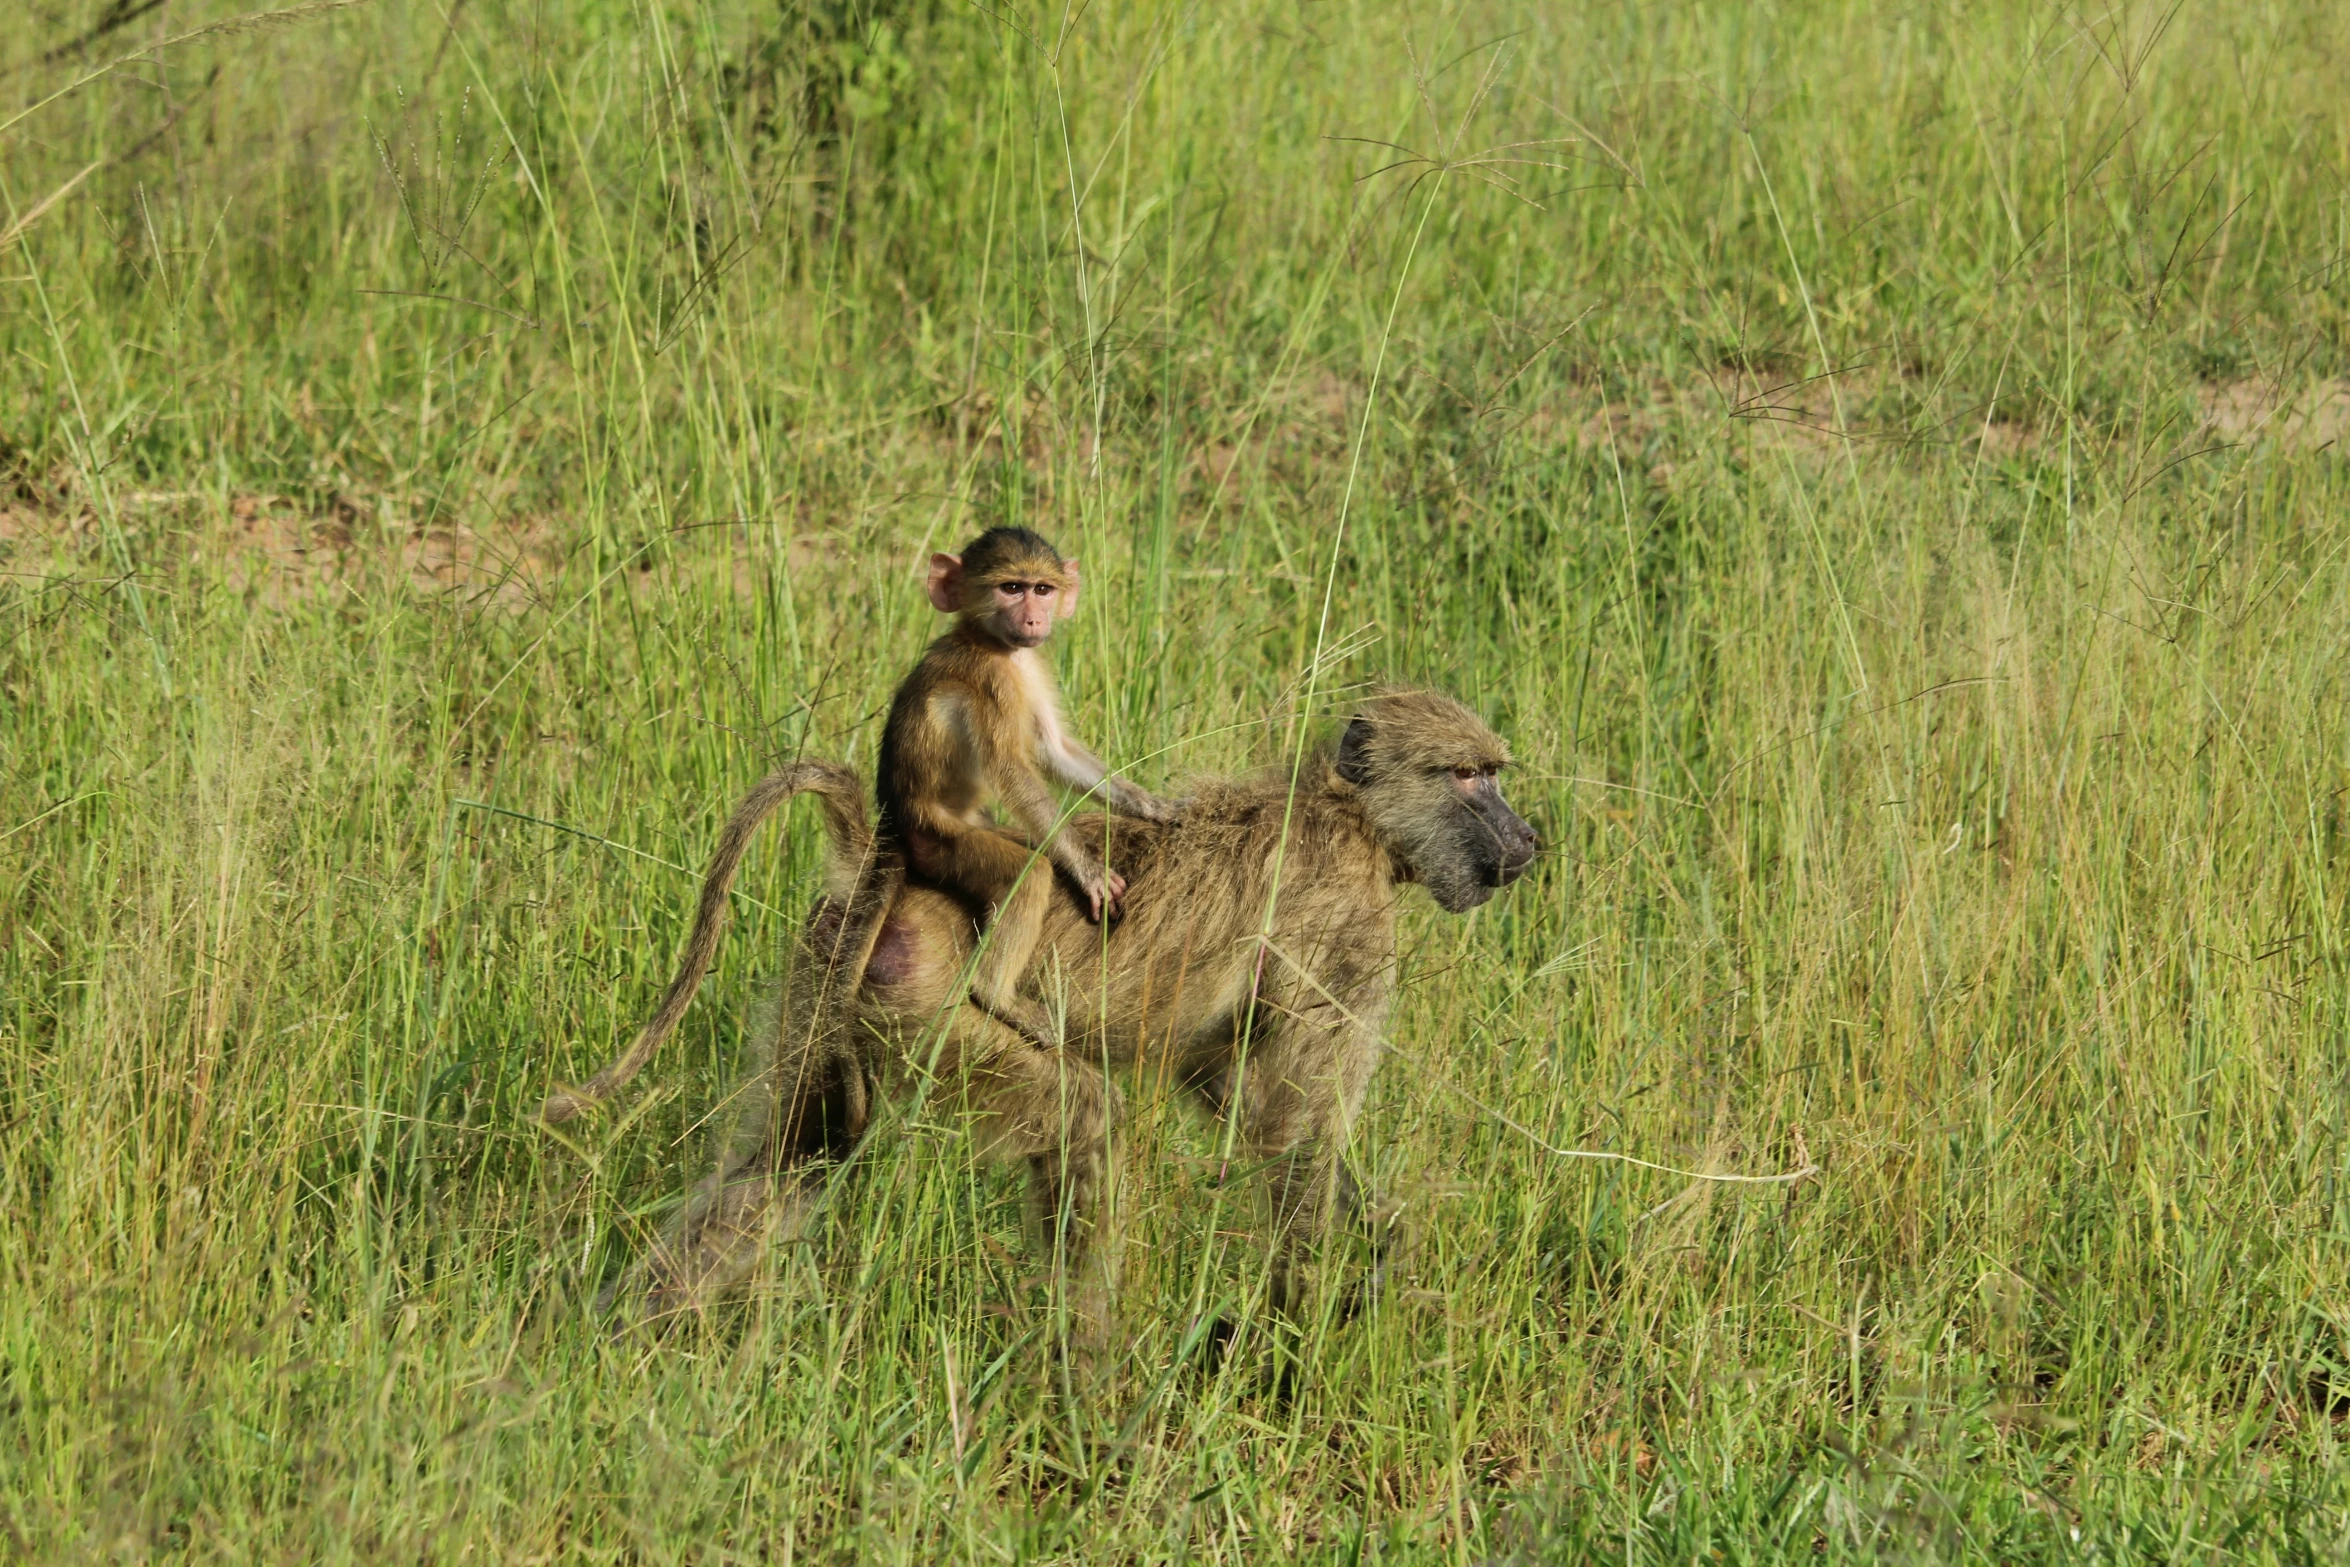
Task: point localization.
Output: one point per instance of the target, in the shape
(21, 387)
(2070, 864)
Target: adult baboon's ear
(946, 583)
(1069, 593)
(1354, 752)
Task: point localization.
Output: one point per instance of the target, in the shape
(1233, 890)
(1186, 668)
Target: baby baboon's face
(1020, 613)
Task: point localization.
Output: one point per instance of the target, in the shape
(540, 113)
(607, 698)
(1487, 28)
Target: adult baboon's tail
(837, 791)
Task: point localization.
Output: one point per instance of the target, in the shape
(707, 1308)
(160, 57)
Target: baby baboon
(1266, 1001)
(978, 721)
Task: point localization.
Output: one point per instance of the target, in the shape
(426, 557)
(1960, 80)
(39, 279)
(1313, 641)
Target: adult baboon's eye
(1466, 773)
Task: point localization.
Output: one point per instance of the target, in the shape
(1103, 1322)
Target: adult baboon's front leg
(1315, 1041)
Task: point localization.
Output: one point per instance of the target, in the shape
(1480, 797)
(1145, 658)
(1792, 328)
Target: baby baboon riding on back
(978, 722)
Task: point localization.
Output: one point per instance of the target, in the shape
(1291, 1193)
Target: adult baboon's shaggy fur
(1254, 966)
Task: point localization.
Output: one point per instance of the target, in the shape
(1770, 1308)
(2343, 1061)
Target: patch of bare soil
(278, 552)
(1811, 414)
(19, 524)
(281, 554)
(1816, 416)
(1820, 413)
(2305, 418)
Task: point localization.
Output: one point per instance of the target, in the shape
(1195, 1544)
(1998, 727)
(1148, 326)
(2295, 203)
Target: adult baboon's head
(1427, 770)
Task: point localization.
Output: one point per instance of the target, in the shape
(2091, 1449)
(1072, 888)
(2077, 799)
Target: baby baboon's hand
(1089, 882)
(1128, 798)
(1102, 888)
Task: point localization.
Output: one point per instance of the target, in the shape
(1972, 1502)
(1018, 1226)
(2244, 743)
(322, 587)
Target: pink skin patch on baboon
(897, 954)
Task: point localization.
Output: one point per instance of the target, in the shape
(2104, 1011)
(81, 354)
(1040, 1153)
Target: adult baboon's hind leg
(802, 1105)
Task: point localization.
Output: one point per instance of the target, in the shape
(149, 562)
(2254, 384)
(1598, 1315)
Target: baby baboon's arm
(1080, 769)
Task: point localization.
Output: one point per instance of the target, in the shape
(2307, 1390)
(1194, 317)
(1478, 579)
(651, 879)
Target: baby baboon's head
(1010, 583)
(1428, 772)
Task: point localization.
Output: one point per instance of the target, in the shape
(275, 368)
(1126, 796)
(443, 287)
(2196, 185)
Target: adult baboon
(1253, 966)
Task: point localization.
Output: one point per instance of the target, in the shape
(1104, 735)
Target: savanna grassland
(1882, 466)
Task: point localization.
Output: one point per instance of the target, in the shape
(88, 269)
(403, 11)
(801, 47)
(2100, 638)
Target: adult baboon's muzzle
(1517, 864)
(1513, 837)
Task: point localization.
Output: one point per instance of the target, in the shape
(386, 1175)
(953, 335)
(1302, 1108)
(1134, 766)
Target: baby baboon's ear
(1354, 752)
(946, 583)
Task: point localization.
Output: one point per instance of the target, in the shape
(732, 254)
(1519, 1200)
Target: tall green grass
(1879, 465)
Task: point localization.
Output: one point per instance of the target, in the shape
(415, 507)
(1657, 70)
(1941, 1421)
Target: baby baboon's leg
(1017, 884)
